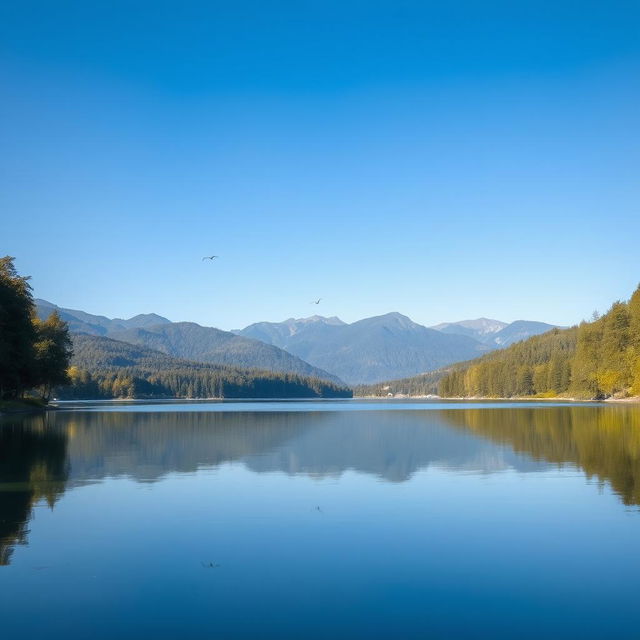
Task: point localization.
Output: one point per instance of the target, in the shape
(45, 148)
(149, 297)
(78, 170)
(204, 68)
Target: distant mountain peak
(382, 347)
(334, 320)
(495, 333)
(392, 316)
(83, 322)
(479, 325)
(143, 320)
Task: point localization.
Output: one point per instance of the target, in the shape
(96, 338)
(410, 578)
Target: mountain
(373, 349)
(495, 333)
(82, 322)
(478, 329)
(279, 333)
(186, 340)
(520, 330)
(107, 368)
(206, 344)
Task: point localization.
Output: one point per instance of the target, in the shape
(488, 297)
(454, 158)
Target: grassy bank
(21, 406)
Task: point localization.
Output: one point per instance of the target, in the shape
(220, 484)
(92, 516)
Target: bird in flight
(316, 301)
(209, 257)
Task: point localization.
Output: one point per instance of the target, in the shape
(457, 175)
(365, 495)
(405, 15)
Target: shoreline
(631, 400)
(13, 407)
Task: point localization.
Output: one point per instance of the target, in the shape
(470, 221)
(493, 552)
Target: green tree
(17, 333)
(634, 320)
(53, 353)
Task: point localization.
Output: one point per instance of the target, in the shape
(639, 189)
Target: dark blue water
(321, 520)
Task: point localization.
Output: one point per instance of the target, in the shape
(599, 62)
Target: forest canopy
(596, 359)
(106, 368)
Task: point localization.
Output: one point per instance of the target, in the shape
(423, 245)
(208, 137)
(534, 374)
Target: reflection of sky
(444, 552)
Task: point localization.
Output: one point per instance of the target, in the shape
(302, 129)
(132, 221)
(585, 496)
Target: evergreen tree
(17, 333)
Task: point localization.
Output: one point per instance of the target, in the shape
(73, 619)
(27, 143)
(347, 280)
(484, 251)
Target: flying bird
(316, 301)
(209, 257)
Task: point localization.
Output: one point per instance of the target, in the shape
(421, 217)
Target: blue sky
(445, 160)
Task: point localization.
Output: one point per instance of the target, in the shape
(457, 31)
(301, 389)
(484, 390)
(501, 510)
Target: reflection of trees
(389, 444)
(603, 441)
(32, 468)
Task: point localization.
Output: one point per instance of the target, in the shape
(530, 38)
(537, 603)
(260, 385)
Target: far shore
(400, 396)
(33, 405)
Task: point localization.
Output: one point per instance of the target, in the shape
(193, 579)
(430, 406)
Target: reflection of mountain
(32, 468)
(389, 444)
(146, 446)
(392, 445)
(603, 441)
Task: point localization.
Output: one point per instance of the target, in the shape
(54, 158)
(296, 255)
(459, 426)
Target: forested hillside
(596, 359)
(206, 344)
(425, 384)
(106, 368)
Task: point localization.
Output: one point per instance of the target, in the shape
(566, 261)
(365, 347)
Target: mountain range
(374, 349)
(187, 340)
(83, 322)
(495, 333)
(368, 350)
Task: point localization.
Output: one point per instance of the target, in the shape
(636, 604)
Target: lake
(333, 519)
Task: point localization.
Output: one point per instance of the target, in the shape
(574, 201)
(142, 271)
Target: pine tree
(17, 333)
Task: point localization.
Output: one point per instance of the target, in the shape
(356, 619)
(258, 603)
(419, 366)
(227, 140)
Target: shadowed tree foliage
(33, 353)
(17, 332)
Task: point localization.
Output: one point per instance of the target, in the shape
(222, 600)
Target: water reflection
(40, 456)
(603, 441)
(392, 445)
(32, 468)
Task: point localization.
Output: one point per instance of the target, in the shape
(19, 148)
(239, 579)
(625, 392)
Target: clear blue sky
(444, 159)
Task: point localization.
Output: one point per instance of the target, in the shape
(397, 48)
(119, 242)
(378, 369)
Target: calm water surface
(321, 520)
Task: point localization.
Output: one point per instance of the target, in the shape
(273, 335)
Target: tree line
(193, 382)
(34, 353)
(596, 359)
(424, 384)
